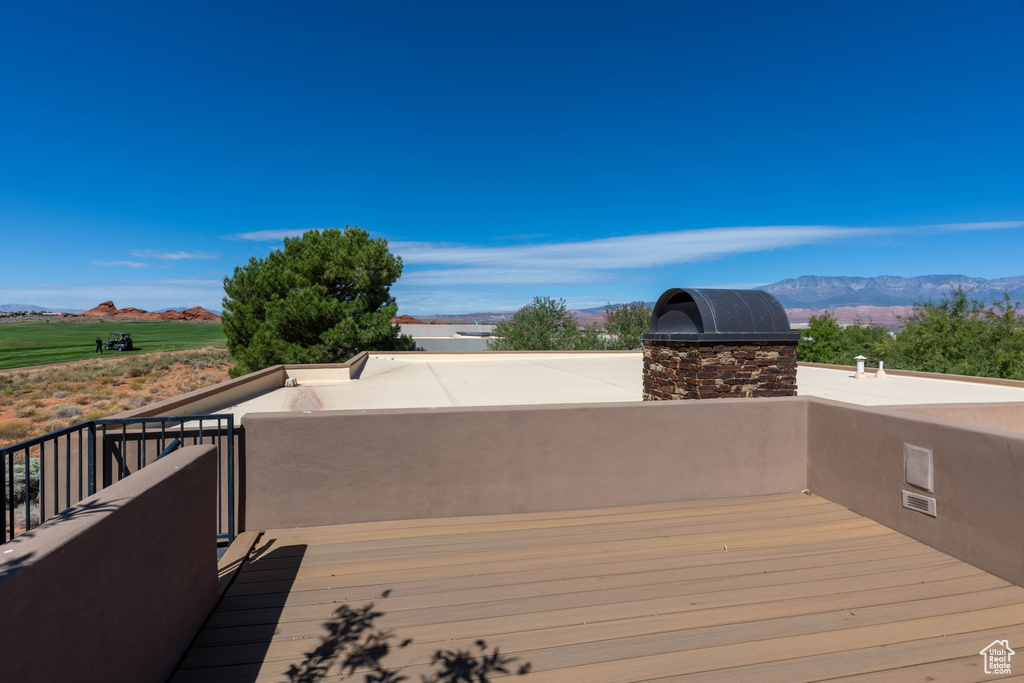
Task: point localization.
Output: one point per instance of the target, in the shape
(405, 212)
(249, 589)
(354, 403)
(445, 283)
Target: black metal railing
(61, 468)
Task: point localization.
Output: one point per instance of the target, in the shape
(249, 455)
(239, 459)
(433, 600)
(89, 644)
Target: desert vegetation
(958, 334)
(37, 401)
(547, 324)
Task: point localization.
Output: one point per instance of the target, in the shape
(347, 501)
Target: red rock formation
(107, 309)
(406, 320)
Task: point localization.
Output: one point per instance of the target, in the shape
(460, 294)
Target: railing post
(8, 498)
(92, 458)
(231, 477)
(106, 460)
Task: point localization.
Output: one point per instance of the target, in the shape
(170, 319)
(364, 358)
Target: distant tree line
(548, 324)
(958, 335)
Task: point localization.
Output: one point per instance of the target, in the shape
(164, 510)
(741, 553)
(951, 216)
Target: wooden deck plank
(759, 589)
(678, 630)
(676, 633)
(598, 575)
(633, 586)
(373, 583)
(543, 588)
(713, 541)
(340, 552)
(721, 591)
(967, 669)
(710, 612)
(233, 559)
(772, 546)
(887, 662)
(602, 663)
(698, 507)
(356, 533)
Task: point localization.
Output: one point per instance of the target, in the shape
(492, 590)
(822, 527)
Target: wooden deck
(773, 588)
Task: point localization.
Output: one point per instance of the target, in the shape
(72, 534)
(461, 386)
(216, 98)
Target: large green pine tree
(321, 299)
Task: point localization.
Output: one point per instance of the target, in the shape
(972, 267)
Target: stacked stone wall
(678, 370)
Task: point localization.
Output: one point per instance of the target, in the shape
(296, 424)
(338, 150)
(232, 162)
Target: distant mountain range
(818, 292)
(10, 308)
(881, 299)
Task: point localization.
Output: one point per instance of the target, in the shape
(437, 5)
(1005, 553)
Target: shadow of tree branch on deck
(354, 646)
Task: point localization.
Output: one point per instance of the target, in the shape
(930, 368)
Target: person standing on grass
(99, 346)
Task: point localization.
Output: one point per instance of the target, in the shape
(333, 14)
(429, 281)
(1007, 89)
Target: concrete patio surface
(426, 380)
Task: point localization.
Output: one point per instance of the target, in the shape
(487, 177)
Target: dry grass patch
(12, 431)
(35, 402)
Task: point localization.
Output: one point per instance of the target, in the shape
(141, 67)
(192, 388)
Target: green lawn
(53, 341)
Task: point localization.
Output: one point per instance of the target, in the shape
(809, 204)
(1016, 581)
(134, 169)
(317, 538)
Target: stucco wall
(855, 458)
(998, 415)
(439, 344)
(233, 391)
(442, 330)
(115, 588)
(216, 397)
(353, 466)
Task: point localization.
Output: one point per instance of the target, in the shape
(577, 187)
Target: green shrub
(627, 323)
(18, 473)
(962, 336)
(826, 341)
(543, 325)
(66, 411)
(14, 430)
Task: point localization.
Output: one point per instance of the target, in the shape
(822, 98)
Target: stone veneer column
(691, 369)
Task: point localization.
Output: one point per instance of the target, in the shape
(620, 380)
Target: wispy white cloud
(266, 235)
(172, 255)
(633, 251)
(591, 260)
(638, 251)
(127, 264)
(964, 227)
(471, 277)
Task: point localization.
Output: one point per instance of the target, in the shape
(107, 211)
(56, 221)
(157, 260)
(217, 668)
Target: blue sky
(595, 151)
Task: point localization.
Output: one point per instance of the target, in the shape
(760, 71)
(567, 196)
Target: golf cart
(120, 341)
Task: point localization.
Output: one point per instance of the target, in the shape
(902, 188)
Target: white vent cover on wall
(915, 501)
(917, 467)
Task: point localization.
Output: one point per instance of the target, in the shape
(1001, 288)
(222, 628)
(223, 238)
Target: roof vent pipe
(880, 372)
(860, 367)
